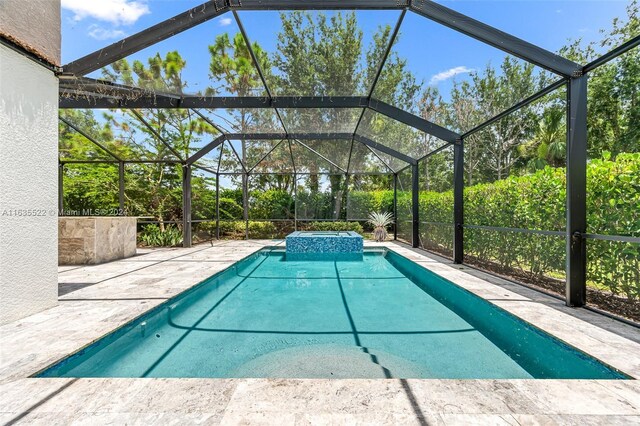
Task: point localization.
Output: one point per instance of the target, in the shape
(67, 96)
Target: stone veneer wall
(92, 240)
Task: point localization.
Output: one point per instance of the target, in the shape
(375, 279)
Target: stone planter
(92, 240)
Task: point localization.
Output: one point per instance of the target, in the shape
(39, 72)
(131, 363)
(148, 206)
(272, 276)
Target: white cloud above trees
(450, 73)
(116, 12)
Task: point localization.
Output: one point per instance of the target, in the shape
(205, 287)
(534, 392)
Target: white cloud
(224, 22)
(117, 12)
(99, 33)
(445, 75)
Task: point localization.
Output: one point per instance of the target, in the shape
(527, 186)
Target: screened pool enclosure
(265, 118)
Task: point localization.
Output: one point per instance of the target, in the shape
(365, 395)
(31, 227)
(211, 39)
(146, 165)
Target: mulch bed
(611, 303)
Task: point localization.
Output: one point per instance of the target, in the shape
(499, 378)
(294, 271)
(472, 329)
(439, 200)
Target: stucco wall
(28, 186)
(34, 25)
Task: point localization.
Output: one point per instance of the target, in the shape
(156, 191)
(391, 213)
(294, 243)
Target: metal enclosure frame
(77, 91)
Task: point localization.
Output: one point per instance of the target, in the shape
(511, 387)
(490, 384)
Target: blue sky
(437, 55)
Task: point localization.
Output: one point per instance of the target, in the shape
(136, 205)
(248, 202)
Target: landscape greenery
(514, 169)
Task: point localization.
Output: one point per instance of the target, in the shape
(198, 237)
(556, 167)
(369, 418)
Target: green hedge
(269, 230)
(537, 201)
(333, 226)
(236, 229)
(271, 204)
(613, 208)
(230, 209)
(361, 203)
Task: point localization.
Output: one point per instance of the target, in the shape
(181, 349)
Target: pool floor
(269, 317)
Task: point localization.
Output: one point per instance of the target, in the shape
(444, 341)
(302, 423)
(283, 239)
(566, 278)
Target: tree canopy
(326, 54)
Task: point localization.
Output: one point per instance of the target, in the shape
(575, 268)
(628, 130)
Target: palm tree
(549, 143)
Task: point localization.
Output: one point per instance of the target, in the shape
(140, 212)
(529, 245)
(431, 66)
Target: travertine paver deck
(97, 299)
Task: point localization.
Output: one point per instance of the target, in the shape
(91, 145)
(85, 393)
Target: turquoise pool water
(383, 316)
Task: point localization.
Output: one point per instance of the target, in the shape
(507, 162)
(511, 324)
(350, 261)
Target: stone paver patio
(94, 300)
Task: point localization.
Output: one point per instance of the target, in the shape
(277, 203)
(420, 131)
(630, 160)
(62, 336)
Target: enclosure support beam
(206, 149)
(415, 200)
(121, 188)
(60, 189)
(89, 138)
(395, 206)
(245, 203)
(186, 205)
(317, 4)
(217, 206)
(301, 136)
(414, 121)
(611, 55)
(295, 201)
(344, 194)
(458, 201)
(99, 95)
(385, 149)
(496, 38)
(129, 45)
(576, 191)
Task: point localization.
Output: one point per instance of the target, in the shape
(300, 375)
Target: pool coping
(38, 344)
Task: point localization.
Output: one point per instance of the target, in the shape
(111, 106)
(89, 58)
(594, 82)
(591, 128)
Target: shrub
(232, 194)
(271, 204)
(314, 205)
(263, 230)
(230, 209)
(153, 236)
(537, 201)
(435, 208)
(334, 226)
(204, 231)
(361, 203)
(236, 229)
(613, 207)
(232, 229)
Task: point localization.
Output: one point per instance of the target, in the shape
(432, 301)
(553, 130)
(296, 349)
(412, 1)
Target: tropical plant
(153, 236)
(548, 144)
(380, 221)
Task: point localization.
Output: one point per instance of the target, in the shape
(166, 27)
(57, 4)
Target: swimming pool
(383, 316)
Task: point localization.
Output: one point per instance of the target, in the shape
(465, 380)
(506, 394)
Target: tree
(155, 188)
(614, 88)
(232, 63)
(318, 55)
(325, 56)
(548, 145)
(432, 108)
(494, 150)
